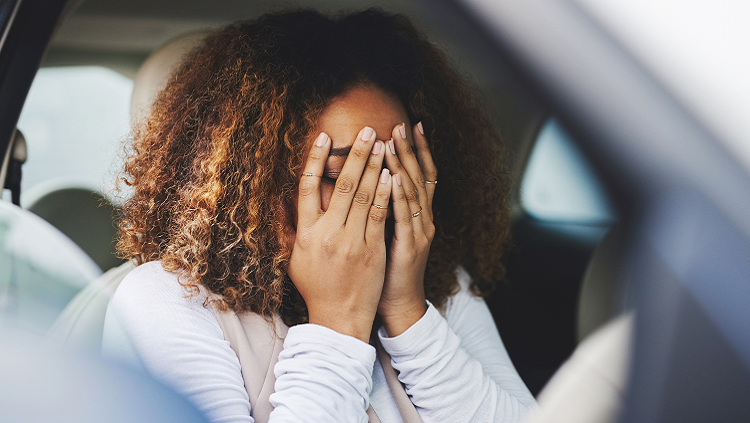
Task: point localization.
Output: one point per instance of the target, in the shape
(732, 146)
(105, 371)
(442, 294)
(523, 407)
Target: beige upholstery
(155, 71)
(601, 298)
(590, 386)
(80, 325)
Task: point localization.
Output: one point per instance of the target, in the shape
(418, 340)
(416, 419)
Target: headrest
(155, 71)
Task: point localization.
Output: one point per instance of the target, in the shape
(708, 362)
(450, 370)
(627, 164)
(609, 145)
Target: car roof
(120, 34)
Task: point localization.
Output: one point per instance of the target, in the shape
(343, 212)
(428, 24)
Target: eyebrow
(344, 151)
(340, 152)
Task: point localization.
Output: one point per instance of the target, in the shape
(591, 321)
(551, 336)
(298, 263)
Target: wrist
(397, 321)
(354, 326)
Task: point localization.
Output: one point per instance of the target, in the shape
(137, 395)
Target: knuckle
(429, 231)
(419, 179)
(377, 216)
(412, 195)
(382, 195)
(315, 156)
(408, 151)
(373, 256)
(344, 186)
(362, 198)
(352, 251)
(304, 238)
(328, 245)
(358, 153)
(307, 188)
(402, 219)
(373, 166)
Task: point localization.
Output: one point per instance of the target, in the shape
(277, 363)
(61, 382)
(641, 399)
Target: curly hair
(215, 166)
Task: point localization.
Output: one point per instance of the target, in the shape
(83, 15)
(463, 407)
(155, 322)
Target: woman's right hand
(339, 255)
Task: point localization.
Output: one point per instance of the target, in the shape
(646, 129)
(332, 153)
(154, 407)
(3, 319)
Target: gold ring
(431, 182)
(379, 207)
(417, 213)
(311, 174)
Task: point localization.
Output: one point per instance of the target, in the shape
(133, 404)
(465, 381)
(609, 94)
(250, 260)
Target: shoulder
(151, 277)
(150, 283)
(150, 295)
(462, 301)
(464, 289)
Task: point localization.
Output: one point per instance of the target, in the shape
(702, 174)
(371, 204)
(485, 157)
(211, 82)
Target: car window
(74, 119)
(559, 184)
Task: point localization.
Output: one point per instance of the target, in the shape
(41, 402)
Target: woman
(289, 168)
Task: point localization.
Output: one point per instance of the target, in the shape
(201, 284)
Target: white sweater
(454, 368)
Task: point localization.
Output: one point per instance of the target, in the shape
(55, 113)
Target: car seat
(85, 216)
(601, 298)
(80, 326)
(590, 386)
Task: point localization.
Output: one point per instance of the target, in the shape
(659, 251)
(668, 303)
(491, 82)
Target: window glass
(40, 271)
(559, 184)
(74, 120)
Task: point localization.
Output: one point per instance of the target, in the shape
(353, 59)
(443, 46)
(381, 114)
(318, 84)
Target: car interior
(566, 239)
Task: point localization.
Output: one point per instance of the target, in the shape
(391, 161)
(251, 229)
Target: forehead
(359, 107)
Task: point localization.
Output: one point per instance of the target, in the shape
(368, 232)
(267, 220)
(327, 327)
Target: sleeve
(321, 375)
(460, 371)
(178, 341)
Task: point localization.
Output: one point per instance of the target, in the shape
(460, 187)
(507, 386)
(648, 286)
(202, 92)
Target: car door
(675, 162)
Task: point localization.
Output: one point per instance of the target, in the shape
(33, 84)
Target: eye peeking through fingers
(330, 177)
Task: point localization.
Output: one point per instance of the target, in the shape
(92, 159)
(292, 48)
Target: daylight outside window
(74, 121)
(559, 184)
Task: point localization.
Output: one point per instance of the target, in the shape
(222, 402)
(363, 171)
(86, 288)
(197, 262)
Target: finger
(348, 180)
(410, 191)
(375, 230)
(308, 203)
(409, 161)
(403, 229)
(426, 163)
(363, 199)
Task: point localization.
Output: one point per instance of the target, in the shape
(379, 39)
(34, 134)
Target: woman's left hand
(402, 302)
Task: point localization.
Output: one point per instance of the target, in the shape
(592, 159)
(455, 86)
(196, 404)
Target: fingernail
(419, 127)
(392, 146)
(384, 176)
(397, 177)
(321, 140)
(376, 148)
(367, 133)
(402, 129)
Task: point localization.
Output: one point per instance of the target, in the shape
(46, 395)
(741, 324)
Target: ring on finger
(431, 182)
(311, 174)
(417, 213)
(377, 206)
